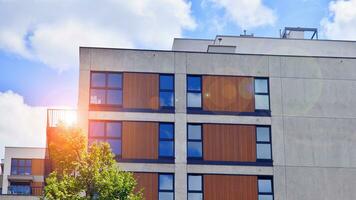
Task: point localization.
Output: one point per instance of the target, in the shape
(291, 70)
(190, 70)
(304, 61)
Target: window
(194, 88)
(166, 140)
(19, 188)
(21, 166)
(263, 143)
(195, 144)
(261, 94)
(195, 187)
(166, 187)
(106, 88)
(109, 131)
(265, 188)
(166, 91)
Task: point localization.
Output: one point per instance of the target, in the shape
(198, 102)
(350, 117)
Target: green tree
(88, 175)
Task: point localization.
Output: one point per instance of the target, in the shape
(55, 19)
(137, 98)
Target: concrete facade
(313, 108)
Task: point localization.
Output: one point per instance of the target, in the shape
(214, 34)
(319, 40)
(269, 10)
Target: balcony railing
(25, 190)
(56, 116)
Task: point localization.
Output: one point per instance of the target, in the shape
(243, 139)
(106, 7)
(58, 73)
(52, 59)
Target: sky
(39, 42)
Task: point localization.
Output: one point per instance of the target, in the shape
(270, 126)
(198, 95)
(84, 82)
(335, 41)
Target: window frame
(194, 91)
(195, 191)
(173, 184)
(263, 142)
(195, 140)
(167, 140)
(265, 193)
(105, 138)
(262, 93)
(166, 90)
(106, 89)
(18, 166)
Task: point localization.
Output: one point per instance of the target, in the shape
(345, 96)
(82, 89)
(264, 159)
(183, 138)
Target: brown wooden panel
(141, 90)
(223, 142)
(228, 94)
(140, 140)
(230, 187)
(38, 167)
(37, 188)
(148, 184)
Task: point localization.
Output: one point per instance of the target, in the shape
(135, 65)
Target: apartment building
(23, 173)
(235, 117)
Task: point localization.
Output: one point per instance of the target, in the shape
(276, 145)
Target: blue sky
(39, 42)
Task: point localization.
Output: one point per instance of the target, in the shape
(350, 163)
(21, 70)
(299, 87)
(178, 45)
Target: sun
(70, 118)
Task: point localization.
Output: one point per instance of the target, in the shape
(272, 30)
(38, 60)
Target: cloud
(51, 31)
(341, 22)
(20, 124)
(247, 13)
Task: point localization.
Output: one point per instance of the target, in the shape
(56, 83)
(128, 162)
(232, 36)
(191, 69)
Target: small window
(194, 92)
(21, 166)
(166, 91)
(107, 131)
(166, 186)
(265, 188)
(261, 94)
(106, 88)
(195, 144)
(195, 187)
(166, 140)
(263, 143)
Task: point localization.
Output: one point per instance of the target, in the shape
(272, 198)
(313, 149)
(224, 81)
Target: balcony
(57, 116)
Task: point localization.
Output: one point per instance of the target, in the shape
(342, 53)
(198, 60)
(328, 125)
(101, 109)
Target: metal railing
(56, 116)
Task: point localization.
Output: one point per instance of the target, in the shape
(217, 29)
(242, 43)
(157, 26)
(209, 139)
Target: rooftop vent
(246, 35)
(299, 33)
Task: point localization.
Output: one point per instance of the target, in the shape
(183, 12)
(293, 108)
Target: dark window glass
(195, 144)
(106, 88)
(166, 82)
(20, 189)
(194, 83)
(166, 99)
(21, 166)
(265, 188)
(166, 196)
(195, 187)
(263, 143)
(98, 80)
(166, 140)
(115, 145)
(96, 129)
(115, 80)
(166, 182)
(113, 129)
(261, 94)
(166, 91)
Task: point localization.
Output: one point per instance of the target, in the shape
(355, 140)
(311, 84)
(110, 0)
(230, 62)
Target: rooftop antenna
(219, 40)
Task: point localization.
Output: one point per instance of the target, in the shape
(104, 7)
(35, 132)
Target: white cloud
(247, 13)
(51, 31)
(341, 22)
(20, 124)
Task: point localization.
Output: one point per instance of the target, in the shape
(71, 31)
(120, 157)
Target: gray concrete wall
(313, 112)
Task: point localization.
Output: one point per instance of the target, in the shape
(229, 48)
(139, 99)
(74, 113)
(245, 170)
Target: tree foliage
(87, 175)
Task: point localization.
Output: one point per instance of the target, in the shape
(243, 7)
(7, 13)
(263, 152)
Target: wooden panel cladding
(38, 168)
(148, 184)
(37, 188)
(228, 94)
(230, 187)
(140, 140)
(141, 90)
(223, 142)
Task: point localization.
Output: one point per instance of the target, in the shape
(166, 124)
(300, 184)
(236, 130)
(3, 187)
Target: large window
(166, 140)
(195, 144)
(263, 143)
(21, 166)
(19, 188)
(261, 94)
(166, 187)
(265, 188)
(166, 91)
(194, 91)
(106, 88)
(109, 131)
(195, 187)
